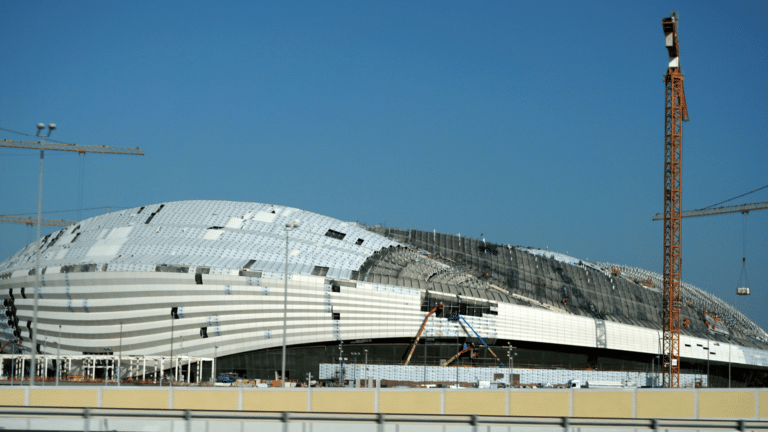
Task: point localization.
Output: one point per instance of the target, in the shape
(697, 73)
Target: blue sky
(533, 123)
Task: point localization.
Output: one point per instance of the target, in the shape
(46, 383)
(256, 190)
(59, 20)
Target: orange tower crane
(676, 112)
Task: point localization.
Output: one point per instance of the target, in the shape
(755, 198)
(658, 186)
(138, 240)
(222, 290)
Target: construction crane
(435, 309)
(676, 112)
(744, 208)
(42, 146)
(71, 147)
(33, 221)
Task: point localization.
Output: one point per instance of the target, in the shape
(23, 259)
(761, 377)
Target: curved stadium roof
(239, 248)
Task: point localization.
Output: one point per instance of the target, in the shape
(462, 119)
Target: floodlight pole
(293, 224)
(215, 360)
(729, 361)
(33, 375)
(708, 383)
(58, 357)
(120, 354)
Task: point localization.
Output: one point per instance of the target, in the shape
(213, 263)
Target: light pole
(215, 360)
(458, 348)
(341, 363)
(707, 348)
(170, 368)
(120, 354)
(729, 361)
(40, 127)
(107, 351)
(511, 359)
(43, 370)
(365, 372)
(354, 367)
(294, 224)
(58, 357)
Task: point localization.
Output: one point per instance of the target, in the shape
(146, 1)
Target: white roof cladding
(220, 234)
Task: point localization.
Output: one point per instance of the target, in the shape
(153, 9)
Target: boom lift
(470, 347)
(18, 342)
(435, 309)
(456, 317)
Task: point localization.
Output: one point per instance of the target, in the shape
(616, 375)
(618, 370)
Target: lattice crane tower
(676, 112)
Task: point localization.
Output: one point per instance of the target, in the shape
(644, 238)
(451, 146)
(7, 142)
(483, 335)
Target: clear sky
(531, 123)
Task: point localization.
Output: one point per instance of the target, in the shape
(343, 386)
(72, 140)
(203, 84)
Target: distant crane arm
(33, 221)
(719, 210)
(71, 147)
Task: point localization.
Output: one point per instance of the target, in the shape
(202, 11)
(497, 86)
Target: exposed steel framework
(676, 112)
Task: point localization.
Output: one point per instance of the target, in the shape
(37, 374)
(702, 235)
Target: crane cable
(81, 181)
(743, 276)
(731, 199)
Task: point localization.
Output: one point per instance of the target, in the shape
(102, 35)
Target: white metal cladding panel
(179, 228)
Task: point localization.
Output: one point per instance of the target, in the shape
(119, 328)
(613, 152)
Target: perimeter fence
(88, 419)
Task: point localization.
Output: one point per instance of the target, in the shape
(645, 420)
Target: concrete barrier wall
(639, 403)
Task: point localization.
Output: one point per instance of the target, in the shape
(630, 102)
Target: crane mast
(676, 112)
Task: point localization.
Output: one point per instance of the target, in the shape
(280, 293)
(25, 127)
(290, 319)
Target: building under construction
(206, 279)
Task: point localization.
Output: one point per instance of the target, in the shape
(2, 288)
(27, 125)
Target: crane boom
(71, 147)
(479, 337)
(421, 330)
(470, 347)
(675, 113)
(18, 342)
(33, 221)
(744, 208)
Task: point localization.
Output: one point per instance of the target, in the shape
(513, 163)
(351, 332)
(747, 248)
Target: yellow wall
(360, 401)
(546, 403)
(661, 404)
(206, 399)
(539, 403)
(64, 398)
(476, 402)
(147, 399)
(595, 403)
(726, 404)
(409, 402)
(12, 397)
(274, 400)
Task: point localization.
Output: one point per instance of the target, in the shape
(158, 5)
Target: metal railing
(286, 418)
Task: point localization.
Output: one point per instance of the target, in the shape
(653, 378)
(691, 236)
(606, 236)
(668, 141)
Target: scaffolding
(106, 368)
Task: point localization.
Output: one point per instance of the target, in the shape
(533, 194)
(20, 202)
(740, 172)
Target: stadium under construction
(205, 279)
